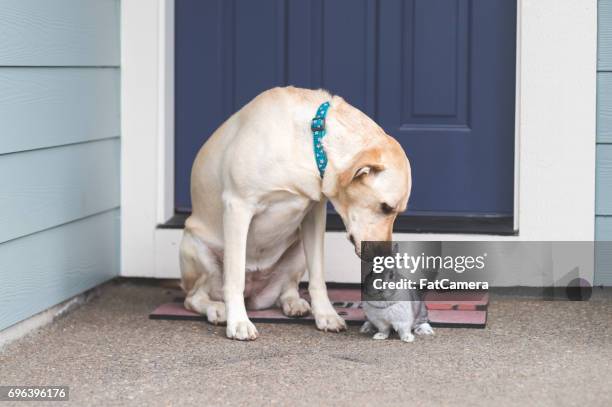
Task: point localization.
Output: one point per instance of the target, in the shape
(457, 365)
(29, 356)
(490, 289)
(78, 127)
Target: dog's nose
(352, 239)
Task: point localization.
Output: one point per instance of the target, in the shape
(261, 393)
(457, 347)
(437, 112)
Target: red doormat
(456, 309)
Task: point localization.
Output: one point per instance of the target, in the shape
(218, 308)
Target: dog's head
(373, 191)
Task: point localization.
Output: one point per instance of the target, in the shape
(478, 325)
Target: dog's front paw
(330, 321)
(296, 307)
(243, 330)
(424, 329)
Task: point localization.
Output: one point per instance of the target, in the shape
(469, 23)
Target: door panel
(439, 75)
(447, 93)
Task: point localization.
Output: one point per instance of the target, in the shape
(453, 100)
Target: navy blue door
(439, 75)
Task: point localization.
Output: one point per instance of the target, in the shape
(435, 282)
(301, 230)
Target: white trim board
(555, 134)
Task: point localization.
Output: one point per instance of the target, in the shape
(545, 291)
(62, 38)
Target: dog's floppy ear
(366, 162)
(363, 171)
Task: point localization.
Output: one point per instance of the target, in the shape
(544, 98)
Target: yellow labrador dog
(259, 205)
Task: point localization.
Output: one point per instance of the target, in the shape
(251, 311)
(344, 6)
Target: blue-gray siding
(59, 151)
(45, 107)
(45, 268)
(603, 201)
(603, 232)
(57, 185)
(59, 33)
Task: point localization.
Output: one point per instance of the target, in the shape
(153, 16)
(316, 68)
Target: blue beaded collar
(318, 132)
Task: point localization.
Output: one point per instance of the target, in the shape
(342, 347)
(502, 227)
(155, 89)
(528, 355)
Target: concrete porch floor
(532, 352)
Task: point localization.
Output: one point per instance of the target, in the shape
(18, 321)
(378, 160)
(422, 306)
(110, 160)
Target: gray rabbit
(402, 310)
(402, 316)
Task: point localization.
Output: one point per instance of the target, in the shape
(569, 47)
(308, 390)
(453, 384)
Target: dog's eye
(386, 209)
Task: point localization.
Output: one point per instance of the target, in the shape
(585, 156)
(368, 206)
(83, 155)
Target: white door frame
(555, 135)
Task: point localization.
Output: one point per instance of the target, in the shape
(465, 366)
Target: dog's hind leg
(201, 279)
(199, 300)
(283, 289)
(294, 263)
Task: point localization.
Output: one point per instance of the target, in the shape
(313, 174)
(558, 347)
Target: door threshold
(481, 225)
